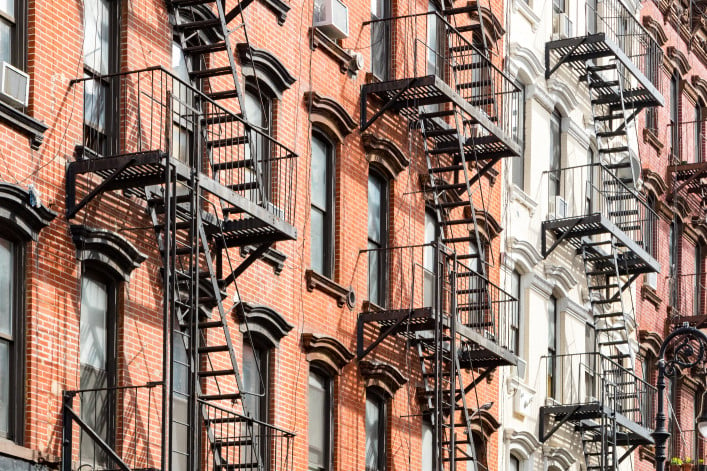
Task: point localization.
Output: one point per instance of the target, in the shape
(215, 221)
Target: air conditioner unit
(332, 17)
(561, 25)
(559, 207)
(15, 86)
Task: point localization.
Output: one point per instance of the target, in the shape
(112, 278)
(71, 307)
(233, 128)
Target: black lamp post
(689, 348)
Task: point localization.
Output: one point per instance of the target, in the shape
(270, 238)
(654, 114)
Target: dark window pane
(373, 437)
(317, 242)
(94, 308)
(319, 420)
(7, 264)
(5, 373)
(97, 35)
(319, 173)
(5, 41)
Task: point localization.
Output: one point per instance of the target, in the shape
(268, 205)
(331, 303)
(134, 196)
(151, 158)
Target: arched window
(377, 237)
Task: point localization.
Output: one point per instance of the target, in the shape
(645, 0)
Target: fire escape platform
(688, 178)
(483, 351)
(409, 96)
(131, 173)
(578, 51)
(575, 230)
(582, 416)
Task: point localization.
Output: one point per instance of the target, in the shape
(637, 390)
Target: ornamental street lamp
(688, 349)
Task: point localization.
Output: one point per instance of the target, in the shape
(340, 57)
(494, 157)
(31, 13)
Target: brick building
(188, 280)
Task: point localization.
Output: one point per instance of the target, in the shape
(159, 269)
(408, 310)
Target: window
(514, 463)
(674, 238)
(555, 154)
(481, 463)
(698, 287)
(551, 347)
(429, 256)
(97, 358)
(259, 111)
(100, 52)
(377, 237)
(11, 348)
(375, 431)
(322, 216)
(674, 116)
(699, 133)
(590, 363)
(320, 421)
(518, 133)
(380, 39)
(435, 41)
(13, 40)
(183, 108)
(255, 381)
(427, 446)
(515, 315)
(181, 385)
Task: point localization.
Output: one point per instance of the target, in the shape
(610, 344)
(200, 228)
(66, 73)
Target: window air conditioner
(15, 86)
(561, 25)
(332, 17)
(559, 208)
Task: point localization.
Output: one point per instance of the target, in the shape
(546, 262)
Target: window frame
(555, 164)
(18, 34)
(328, 236)
(328, 426)
(386, 53)
(380, 246)
(675, 115)
(515, 321)
(518, 163)
(262, 145)
(552, 348)
(262, 353)
(112, 120)
(16, 341)
(381, 402)
(111, 321)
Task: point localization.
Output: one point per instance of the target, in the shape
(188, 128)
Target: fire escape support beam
(627, 453)
(559, 240)
(545, 436)
(365, 124)
(362, 352)
(71, 207)
(551, 70)
(625, 286)
(482, 171)
(689, 180)
(252, 257)
(476, 381)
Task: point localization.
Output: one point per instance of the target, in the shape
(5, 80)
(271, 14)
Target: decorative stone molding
(558, 456)
(647, 453)
(654, 183)
(278, 7)
(689, 91)
(106, 248)
(21, 210)
(540, 285)
(271, 256)
(485, 423)
(331, 288)
(330, 114)
(524, 62)
(523, 396)
(700, 85)
(262, 321)
(522, 442)
(560, 277)
(326, 351)
(524, 254)
(487, 225)
(522, 7)
(654, 27)
(328, 45)
(650, 137)
(564, 96)
(383, 376)
(681, 207)
(266, 67)
(385, 154)
(650, 342)
(493, 30)
(649, 294)
(27, 125)
(678, 59)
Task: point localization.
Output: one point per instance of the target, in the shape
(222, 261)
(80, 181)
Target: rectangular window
(518, 132)
(429, 256)
(11, 354)
(259, 109)
(255, 382)
(375, 432)
(515, 315)
(322, 215)
(674, 268)
(97, 359)
(698, 295)
(380, 39)
(427, 446)
(551, 347)
(100, 52)
(555, 154)
(699, 134)
(591, 363)
(13, 34)
(320, 422)
(435, 41)
(181, 386)
(514, 463)
(184, 114)
(377, 238)
(674, 117)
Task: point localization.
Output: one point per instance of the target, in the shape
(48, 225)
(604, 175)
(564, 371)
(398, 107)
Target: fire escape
(441, 300)
(209, 181)
(597, 211)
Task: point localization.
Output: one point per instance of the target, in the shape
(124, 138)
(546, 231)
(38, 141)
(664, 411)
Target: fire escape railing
(158, 112)
(688, 444)
(243, 443)
(592, 189)
(621, 27)
(687, 297)
(687, 142)
(112, 428)
(427, 44)
(586, 378)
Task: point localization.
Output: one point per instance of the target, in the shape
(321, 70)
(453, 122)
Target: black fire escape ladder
(600, 440)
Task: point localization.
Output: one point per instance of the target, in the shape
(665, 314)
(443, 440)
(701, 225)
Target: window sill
(24, 123)
(369, 306)
(650, 137)
(345, 60)
(331, 288)
(13, 450)
(522, 198)
(272, 257)
(649, 294)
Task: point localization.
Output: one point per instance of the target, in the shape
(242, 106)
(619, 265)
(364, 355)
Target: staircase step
(206, 73)
(436, 114)
(231, 442)
(609, 117)
(243, 186)
(603, 287)
(462, 48)
(606, 315)
(454, 240)
(222, 95)
(625, 212)
(454, 222)
(475, 84)
(618, 165)
(220, 397)
(605, 301)
(450, 168)
(213, 348)
(205, 48)
(634, 227)
(611, 343)
(467, 28)
(604, 84)
(212, 373)
(441, 132)
(621, 197)
(196, 25)
(221, 118)
(245, 163)
(610, 329)
(210, 324)
(227, 142)
(599, 68)
(613, 150)
(452, 204)
(467, 256)
(451, 186)
(622, 132)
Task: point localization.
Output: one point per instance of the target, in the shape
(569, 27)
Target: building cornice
(523, 253)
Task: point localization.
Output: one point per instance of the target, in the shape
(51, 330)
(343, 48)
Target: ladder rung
(212, 373)
(454, 222)
(436, 114)
(193, 25)
(227, 142)
(222, 95)
(220, 397)
(205, 48)
(449, 168)
(233, 164)
(243, 186)
(213, 348)
(205, 73)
